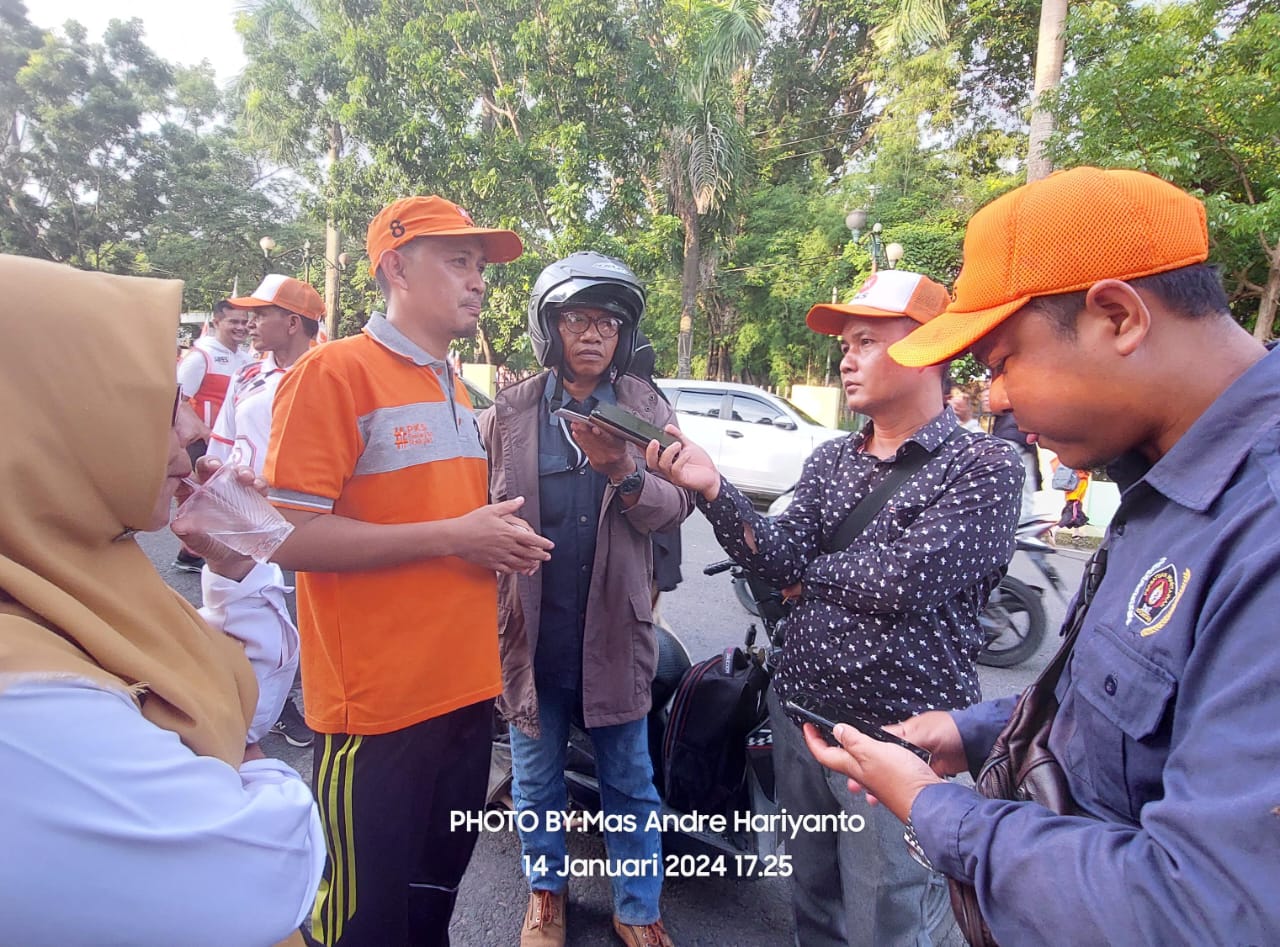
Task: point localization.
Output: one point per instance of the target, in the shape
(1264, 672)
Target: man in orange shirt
(376, 460)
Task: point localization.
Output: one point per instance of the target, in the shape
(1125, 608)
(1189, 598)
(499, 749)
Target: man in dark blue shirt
(886, 627)
(1088, 297)
(577, 636)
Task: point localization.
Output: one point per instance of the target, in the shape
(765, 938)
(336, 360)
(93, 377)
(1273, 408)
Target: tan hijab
(86, 391)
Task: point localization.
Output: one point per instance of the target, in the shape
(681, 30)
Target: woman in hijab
(131, 811)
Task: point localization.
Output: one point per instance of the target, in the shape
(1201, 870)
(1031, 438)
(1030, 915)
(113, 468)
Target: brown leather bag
(1020, 765)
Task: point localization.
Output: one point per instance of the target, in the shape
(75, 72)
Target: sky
(178, 30)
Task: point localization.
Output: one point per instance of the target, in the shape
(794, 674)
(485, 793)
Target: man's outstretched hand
(685, 464)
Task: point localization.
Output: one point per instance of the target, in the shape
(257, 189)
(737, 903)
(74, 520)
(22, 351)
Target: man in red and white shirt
(204, 374)
(206, 370)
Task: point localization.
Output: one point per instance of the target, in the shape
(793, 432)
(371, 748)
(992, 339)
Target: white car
(758, 440)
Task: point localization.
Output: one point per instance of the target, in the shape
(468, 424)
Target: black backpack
(718, 702)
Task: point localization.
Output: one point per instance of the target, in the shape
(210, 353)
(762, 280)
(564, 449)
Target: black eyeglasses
(577, 321)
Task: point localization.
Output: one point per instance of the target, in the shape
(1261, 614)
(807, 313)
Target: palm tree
(706, 153)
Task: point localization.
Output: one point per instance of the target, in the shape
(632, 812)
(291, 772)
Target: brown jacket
(619, 650)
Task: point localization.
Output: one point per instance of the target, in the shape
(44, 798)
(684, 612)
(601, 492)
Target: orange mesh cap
(432, 216)
(1061, 234)
(285, 292)
(890, 294)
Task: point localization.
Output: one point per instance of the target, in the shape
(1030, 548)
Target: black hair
(222, 306)
(310, 327)
(1192, 292)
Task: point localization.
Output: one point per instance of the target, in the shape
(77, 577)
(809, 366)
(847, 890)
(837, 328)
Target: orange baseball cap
(432, 216)
(1061, 234)
(285, 292)
(889, 294)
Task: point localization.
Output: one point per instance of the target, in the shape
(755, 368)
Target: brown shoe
(543, 920)
(642, 935)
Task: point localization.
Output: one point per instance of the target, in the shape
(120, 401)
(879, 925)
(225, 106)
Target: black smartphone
(826, 724)
(621, 424)
(629, 427)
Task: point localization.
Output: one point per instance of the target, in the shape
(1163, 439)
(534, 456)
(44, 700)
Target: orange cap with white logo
(432, 216)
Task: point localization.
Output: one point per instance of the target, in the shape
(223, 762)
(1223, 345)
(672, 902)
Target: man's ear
(393, 265)
(1125, 315)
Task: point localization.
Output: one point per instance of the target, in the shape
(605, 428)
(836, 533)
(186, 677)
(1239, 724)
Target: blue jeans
(626, 789)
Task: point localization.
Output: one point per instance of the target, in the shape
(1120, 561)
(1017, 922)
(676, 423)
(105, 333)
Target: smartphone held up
(825, 718)
(620, 423)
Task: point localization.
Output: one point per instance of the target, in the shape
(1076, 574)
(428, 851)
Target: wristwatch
(915, 848)
(631, 483)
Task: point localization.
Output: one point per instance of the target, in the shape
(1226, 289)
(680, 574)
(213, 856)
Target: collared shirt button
(1109, 685)
(1118, 528)
(586, 568)
(582, 518)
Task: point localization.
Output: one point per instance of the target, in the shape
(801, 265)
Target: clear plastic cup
(235, 515)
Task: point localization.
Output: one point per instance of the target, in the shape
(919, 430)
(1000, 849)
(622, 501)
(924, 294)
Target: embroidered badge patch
(1156, 597)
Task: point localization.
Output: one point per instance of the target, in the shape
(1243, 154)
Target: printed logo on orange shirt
(412, 435)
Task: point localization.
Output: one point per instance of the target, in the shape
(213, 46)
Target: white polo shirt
(243, 427)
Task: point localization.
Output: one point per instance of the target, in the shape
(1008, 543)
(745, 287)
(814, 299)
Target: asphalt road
(706, 615)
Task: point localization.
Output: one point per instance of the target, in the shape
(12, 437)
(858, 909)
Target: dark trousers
(855, 888)
(385, 801)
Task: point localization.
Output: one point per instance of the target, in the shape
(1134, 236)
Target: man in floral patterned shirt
(885, 628)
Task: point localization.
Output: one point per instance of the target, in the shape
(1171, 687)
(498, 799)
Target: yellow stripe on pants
(336, 899)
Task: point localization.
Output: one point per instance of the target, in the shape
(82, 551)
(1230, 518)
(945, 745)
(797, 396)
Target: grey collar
(391, 338)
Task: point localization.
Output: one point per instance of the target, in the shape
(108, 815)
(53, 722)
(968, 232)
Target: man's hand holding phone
(685, 464)
(887, 771)
(826, 719)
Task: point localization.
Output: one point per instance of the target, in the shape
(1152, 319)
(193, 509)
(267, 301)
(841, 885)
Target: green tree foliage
(1190, 92)
(217, 201)
(115, 160)
(525, 113)
(77, 185)
(715, 145)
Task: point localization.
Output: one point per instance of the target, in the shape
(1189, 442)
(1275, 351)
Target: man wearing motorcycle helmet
(577, 636)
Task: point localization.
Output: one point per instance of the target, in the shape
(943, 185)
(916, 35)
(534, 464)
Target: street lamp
(268, 245)
(891, 254)
(331, 287)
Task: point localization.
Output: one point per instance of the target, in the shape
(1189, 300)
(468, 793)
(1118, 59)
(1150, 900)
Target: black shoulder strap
(874, 502)
(1094, 570)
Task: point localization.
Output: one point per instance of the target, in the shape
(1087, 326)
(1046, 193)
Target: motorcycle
(742, 844)
(1014, 621)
